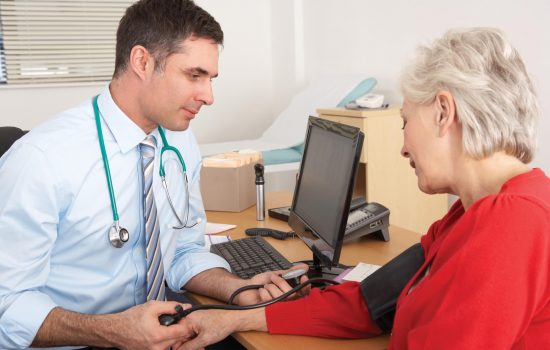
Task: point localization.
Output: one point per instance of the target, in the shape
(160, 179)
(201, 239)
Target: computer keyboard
(250, 256)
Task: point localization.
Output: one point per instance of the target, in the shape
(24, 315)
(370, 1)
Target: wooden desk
(368, 250)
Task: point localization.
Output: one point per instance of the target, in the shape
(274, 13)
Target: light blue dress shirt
(55, 215)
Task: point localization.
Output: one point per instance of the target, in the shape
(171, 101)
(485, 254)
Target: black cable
(268, 232)
(242, 289)
(169, 319)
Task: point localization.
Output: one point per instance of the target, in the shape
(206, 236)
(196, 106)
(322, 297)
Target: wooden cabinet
(384, 175)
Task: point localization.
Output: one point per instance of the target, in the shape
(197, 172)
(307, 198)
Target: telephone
(364, 218)
(370, 100)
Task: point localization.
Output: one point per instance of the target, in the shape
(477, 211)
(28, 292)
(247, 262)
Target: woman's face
(425, 147)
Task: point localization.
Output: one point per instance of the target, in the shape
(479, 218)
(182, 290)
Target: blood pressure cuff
(382, 288)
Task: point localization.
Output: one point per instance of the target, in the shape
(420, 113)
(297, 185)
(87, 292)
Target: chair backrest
(8, 135)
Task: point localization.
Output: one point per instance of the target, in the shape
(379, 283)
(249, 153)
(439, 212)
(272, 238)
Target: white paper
(213, 228)
(210, 239)
(360, 272)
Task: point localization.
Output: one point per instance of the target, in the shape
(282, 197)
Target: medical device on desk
(119, 235)
(292, 277)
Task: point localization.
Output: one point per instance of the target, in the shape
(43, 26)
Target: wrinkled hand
(139, 327)
(274, 286)
(211, 326)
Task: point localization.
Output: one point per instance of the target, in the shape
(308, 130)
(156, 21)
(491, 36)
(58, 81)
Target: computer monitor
(324, 189)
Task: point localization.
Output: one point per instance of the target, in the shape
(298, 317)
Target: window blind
(2, 62)
(56, 41)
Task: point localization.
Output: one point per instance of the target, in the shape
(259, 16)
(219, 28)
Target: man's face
(172, 97)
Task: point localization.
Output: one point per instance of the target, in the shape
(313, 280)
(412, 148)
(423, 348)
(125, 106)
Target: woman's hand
(211, 326)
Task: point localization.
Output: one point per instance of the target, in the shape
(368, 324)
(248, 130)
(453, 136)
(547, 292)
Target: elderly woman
(469, 121)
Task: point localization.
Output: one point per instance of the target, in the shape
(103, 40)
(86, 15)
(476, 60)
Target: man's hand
(145, 331)
(274, 286)
(136, 328)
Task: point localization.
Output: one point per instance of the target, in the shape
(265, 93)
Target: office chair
(8, 135)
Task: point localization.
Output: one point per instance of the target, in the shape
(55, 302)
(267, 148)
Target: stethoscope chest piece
(118, 236)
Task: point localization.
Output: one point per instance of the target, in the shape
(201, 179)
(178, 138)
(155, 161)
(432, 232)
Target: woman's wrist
(249, 320)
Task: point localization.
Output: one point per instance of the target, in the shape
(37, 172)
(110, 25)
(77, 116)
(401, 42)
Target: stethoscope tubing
(105, 161)
(120, 235)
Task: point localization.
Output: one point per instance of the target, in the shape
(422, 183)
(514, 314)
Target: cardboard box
(229, 186)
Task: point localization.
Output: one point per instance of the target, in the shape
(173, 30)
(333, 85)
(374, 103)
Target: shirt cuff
(22, 320)
(193, 264)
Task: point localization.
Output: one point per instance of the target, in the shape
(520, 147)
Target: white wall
(376, 37)
(243, 92)
(273, 47)
(27, 107)
(258, 68)
(244, 89)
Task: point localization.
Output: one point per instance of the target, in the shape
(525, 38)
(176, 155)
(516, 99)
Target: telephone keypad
(356, 217)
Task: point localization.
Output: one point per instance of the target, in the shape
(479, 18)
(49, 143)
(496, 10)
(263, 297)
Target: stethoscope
(119, 235)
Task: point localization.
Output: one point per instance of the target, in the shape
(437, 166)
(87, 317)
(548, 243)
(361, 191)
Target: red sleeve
(335, 312)
(491, 287)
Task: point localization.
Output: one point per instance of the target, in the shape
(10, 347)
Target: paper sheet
(210, 239)
(212, 228)
(359, 272)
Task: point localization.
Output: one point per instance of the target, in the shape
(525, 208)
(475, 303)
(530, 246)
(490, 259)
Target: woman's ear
(447, 111)
(140, 62)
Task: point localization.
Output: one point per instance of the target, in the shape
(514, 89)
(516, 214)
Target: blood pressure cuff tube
(382, 288)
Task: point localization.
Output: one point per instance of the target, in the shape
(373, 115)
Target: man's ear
(141, 62)
(445, 103)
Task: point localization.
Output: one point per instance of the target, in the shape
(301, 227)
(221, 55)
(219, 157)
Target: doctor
(87, 241)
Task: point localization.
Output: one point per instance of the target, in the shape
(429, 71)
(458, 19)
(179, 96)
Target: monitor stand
(318, 270)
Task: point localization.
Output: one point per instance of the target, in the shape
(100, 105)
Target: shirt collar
(126, 133)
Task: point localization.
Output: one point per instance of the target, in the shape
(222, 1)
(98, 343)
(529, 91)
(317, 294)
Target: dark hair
(160, 26)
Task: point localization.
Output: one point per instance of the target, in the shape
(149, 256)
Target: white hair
(495, 100)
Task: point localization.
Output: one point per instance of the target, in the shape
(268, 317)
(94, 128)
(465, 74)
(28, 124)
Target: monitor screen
(324, 187)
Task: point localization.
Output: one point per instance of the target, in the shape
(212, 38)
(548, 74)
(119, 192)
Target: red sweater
(488, 285)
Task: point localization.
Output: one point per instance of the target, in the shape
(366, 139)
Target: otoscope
(260, 199)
